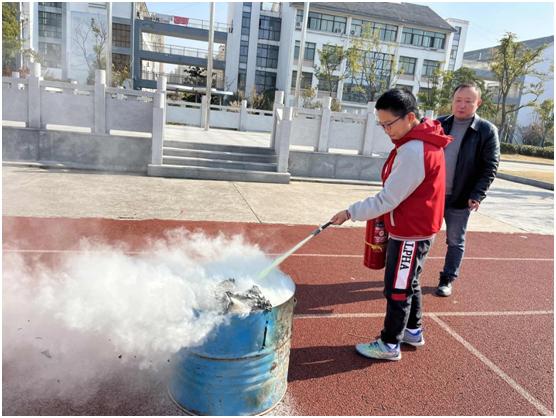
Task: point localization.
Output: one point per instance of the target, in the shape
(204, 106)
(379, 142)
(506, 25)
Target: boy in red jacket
(412, 202)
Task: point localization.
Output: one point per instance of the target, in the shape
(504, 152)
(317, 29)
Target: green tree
(545, 116)
(430, 98)
(329, 71)
(370, 67)
(119, 75)
(513, 61)
(11, 38)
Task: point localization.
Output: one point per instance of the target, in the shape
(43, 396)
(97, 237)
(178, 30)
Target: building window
(121, 35)
(429, 67)
(423, 38)
(265, 81)
(270, 7)
(328, 84)
(241, 81)
(306, 81)
(267, 56)
(245, 23)
(269, 28)
(57, 5)
(121, 62)
(322, 22)
(309, 53)
(386, 33)
(51, 54)
(407, 65)
(243, 51)
(50, 25)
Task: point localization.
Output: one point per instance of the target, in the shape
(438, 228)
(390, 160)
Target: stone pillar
(278, 104)
(159, 121)
(283, 142)
(161, 88)
(203, 110)
(34, 97)
(370, 126)
(243, 116)
(324, 132)
(100, 102)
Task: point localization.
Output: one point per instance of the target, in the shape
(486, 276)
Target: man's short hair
(398, 101)
(470, 85)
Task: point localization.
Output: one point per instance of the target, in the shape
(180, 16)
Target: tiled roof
(404, 13)
(486, 54)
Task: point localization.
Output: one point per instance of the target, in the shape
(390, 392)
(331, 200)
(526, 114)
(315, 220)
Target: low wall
(335, 166)
(77, 150)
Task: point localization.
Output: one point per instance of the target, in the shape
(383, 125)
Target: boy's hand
(340, 217)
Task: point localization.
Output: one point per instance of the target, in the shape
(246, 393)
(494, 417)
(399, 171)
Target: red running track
(489, 347)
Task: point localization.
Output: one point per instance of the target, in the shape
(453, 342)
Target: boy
(412, 202)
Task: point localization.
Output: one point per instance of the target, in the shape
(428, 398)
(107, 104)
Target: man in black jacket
(471, 164)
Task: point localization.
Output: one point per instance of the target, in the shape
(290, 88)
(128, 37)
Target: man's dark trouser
(404, 264)
(456, 227)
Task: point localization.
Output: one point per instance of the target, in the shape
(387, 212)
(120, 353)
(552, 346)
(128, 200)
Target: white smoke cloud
(65, 328)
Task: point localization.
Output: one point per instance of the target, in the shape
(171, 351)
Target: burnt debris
(233, 301)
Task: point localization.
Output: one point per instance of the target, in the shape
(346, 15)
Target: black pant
(404, 264)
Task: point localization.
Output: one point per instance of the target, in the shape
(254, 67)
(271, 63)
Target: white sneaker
(416, 339)
(379, 350)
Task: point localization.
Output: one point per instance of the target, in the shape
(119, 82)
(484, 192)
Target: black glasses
(388, 125)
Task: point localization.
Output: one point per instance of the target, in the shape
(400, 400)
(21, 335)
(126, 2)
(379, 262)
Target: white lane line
(428, 258)
(431, 314)
(13, 250)
(513, 384)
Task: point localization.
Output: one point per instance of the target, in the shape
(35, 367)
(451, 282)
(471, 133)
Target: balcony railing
(180, 50)
(185, 21)
(184, 80)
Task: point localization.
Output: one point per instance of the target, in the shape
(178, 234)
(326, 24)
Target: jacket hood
(429, 130)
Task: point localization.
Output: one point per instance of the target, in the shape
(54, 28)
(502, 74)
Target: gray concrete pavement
(526, 166)
(34, 191)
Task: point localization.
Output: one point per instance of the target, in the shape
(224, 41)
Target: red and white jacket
(413, 178)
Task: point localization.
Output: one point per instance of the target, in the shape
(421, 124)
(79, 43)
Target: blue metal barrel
(242, 369)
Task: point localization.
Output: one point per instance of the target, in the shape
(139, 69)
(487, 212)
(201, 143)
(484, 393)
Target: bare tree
(96, 33)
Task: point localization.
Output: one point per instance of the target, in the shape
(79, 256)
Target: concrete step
(211, 163)
(218, 147)
(209, 173)
(218, 155)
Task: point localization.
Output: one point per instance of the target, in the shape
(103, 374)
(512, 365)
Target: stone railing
(228, 117)
(326, 144)
(36, 103)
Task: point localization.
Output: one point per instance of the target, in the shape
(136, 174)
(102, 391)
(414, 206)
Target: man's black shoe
(444, 288)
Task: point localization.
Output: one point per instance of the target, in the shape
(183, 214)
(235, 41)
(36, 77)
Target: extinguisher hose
(300, 244)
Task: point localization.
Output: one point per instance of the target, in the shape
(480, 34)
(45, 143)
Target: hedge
(546, 152)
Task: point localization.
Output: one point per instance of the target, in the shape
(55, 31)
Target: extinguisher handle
(326, 225)
(320, 228)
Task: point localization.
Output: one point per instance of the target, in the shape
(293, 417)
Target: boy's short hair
(399, 102)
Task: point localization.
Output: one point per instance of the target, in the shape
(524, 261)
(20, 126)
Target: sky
(489, 21)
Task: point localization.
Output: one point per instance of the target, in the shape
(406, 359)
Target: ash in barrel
(243, 302)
